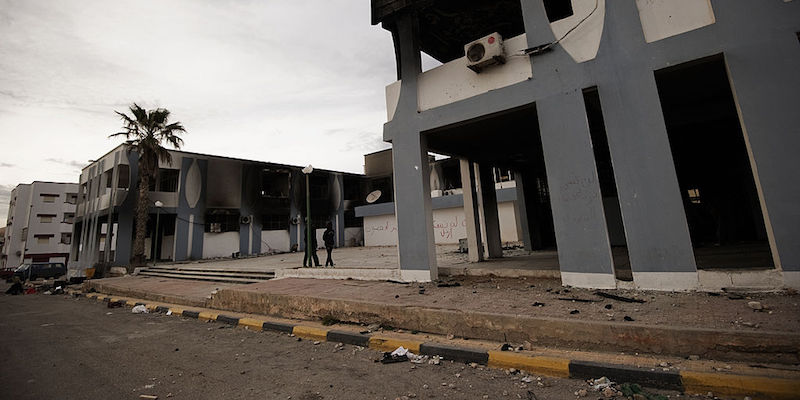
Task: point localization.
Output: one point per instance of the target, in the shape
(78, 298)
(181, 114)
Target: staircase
(204, 274)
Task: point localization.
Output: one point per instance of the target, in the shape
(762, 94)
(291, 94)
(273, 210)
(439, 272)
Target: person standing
(310, 250)
(329, 238)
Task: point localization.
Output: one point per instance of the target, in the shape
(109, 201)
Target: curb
(691, 382)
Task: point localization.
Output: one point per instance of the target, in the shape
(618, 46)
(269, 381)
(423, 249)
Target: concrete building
(665, 132)
(210, 206)
(39, 224)
(447, 201)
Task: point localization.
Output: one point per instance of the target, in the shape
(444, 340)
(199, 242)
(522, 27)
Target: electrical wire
(547, 47)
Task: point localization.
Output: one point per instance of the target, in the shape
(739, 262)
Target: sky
(296, 82)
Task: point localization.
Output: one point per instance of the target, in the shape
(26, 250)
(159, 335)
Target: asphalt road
(57, 347)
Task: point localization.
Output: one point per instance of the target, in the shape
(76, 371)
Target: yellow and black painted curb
(761, 387)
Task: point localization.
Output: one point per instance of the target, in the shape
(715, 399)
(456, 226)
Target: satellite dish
(373, 196)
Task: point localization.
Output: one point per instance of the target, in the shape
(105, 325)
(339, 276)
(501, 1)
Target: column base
(791, 279)
(415, 275)
(764, 279)
(674, 281)
(588, 280)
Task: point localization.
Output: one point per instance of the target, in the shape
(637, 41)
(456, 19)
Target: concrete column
(412, 188)
(584, 252)
(474, 242)
(487, 200)
(521, 211)
(659, 245)
(771, 126)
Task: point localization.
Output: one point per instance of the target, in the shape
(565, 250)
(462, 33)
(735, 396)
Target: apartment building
(39, 224)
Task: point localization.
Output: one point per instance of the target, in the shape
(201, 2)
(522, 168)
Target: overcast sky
(293, 82)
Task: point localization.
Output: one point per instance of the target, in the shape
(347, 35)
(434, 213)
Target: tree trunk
(142, 214)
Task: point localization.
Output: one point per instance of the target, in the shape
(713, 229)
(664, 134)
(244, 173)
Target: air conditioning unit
(485, 52)
(246, 219)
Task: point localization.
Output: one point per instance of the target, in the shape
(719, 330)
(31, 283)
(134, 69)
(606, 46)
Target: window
(558, 9)
(69, 218)
(123, 176)
(694, 195)
(218, 221)
(72, 198)
(168, 180)
(274, 222)
(275, 183)
(49, 198)
(46, 218)
(42, 239)
(66, 238)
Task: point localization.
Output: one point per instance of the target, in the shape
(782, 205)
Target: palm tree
(146, 131)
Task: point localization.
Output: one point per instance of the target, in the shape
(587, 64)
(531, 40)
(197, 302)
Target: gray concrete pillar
(659, 245)
(471, 215)
(584, 253)
(771, 126)
(413, 208)
(487, 200)
(521, 212)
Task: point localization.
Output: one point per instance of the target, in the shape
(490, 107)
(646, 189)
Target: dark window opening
(108, 178)
(558, 9)
(319, 187)
(168, 180)
(274, 222)
(608, 185)
(275, 184)
(351, 221)
(720, 199)
(72, 198)
(123, 176)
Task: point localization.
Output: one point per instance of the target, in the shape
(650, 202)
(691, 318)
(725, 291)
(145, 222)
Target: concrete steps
(214, 275)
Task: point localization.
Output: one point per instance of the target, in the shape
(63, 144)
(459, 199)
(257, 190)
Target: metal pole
(308, 221)
(155, 236)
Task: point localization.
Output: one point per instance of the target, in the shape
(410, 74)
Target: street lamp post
(158, 205)
(307, 171)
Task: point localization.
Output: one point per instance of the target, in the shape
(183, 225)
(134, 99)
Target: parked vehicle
(34, 271)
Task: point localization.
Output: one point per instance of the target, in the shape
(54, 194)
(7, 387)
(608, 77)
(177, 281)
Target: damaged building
(205, 206)
(656, 137)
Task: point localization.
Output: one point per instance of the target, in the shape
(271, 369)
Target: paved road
(65, 348)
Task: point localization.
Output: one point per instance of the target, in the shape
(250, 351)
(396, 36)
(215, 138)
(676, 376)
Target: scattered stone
(527, 345)
(425, 386)
(627, 318)
(755, 305)
(473, 365)
(538, 304)
(316, 342)
(450, 337)
(609, 392)
(609, 306)
(693, 357)
(526, 379)
(575, 312)
(581, 393)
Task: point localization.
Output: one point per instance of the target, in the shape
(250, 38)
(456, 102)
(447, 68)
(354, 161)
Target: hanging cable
(544, 48)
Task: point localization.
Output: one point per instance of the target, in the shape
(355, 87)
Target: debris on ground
(506, 347)
(329, 320)
(402, 354)
(629, 319)
(579, 300)
(636, 392)
(140, 309)
(755, 305)
(538, 304)
(575, 311)
(114, 304)
(619, 298)
(448, 284)
(600, 383)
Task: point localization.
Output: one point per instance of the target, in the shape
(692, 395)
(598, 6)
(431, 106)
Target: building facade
(39, 224)
(670, 126)
(208, 207)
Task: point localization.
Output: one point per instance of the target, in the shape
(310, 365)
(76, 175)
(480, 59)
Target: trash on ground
(619, 298)
(169, 312)
(575, 312)
(600, 383)
(579, 300)
(538, 304)
(448, 284)
(629, 319)
(140, 309)
(114, 304)
(506, 347)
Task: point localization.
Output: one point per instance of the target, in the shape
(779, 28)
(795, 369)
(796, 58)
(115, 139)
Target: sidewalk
(720, 327)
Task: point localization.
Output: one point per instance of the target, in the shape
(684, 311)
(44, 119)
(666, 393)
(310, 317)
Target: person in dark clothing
(329, 237)
(312, 250)
(16, 288)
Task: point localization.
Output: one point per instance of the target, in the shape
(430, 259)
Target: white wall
(449, 225)
(453, 81)
(277, 240)
(665, 18)
(220, 244)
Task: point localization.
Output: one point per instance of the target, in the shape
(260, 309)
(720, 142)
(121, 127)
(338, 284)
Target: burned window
(275, 183)
(168, 180)
(274, 222)
(218, 221)
(66, 238)
(558, 9)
